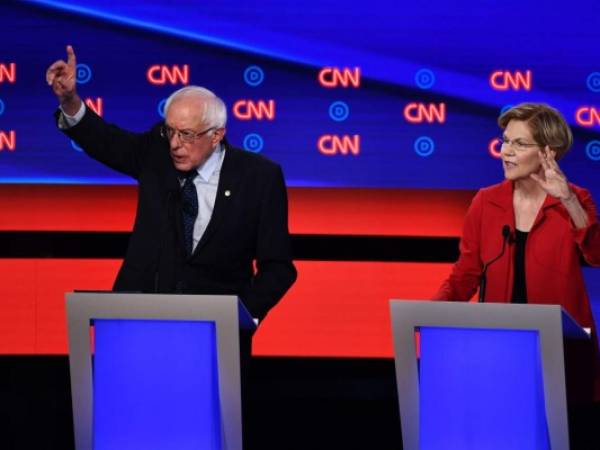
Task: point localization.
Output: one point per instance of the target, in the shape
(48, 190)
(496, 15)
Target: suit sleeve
(466, 272)
(275, 272)
(116, 148)
(588, 238)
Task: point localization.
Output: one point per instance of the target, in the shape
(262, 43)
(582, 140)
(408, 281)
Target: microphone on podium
(482, 282)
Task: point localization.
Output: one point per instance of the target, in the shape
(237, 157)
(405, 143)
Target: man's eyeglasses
(516, 143)
(186, 136)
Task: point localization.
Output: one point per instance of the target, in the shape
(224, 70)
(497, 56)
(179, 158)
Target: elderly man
(206, 211)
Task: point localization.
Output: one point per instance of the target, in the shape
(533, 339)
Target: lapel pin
(227, 193)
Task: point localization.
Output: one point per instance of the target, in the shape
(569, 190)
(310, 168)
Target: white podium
(155, 371)
(489, 375)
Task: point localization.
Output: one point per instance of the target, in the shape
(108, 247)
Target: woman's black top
(519, 293)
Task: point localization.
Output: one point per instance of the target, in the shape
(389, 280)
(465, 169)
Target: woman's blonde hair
(548, 126)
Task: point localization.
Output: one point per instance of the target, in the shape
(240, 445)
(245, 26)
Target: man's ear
(218, 135)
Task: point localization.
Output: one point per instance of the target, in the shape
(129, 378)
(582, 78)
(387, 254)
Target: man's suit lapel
(229, 178)
(173, 200)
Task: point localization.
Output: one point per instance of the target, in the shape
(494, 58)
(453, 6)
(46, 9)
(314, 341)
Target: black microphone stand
(483, 279)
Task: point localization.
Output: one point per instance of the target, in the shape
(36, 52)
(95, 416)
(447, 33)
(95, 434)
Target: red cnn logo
(160, 74)
(249, 109)
(331, 145)
(494, 148)
(421, 112)
(96, 106)
(8, 72)
(503, 80)
(8, 140)
(587, 116)
(332, 77)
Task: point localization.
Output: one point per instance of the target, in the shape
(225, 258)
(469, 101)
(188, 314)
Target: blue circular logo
(592, 150)
(505, 108)
(84, 73)
(339, 111)
(424, 146)
(1, 107)
(253, 142)
(161, 107)
(593, 81)
(253, 76)
(75, 146)
(425, 78)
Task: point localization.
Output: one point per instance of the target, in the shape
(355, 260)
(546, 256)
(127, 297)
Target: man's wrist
(67, 120)
(71, 105)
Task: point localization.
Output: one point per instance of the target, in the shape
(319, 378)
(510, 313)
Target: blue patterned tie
(189, 210)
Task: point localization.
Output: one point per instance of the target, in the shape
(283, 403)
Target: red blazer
(552, 253)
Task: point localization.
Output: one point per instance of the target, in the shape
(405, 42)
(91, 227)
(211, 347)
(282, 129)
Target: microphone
(482, 282)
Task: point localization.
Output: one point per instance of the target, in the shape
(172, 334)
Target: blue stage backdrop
(341, 93)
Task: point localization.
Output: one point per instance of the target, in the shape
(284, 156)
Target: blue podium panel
(481, 390)
(155, 385)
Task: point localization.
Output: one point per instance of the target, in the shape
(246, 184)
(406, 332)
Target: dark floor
(296, 403)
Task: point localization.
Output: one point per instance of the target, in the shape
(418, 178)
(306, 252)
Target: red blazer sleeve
(588, 238)
(464, 278)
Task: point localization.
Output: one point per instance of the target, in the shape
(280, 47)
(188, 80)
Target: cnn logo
(250, 109)
(587, 116)
(422, 112)
(160, 74)
(332, 77)
(8, 140)
(504, 80)
(331, 145)
(8, 73)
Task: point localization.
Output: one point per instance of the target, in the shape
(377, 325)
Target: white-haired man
(206, 211)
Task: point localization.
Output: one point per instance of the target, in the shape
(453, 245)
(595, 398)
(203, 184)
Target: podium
(155, 370)
(483, 376)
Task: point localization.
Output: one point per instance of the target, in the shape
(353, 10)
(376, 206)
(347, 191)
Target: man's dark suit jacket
(248, 223)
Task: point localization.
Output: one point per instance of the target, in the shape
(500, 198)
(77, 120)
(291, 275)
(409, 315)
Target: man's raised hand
(62, 76)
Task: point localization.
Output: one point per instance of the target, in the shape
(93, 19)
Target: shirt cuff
(66, 121)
